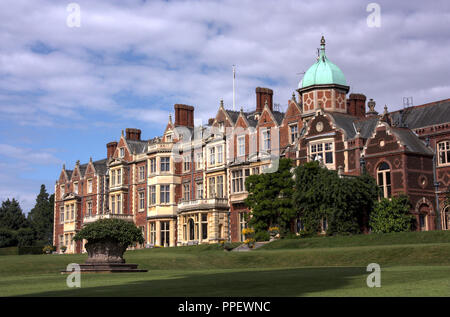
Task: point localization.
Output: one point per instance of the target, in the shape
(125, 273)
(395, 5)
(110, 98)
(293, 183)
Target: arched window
(424, 210)
(191, 229)
(446, 213)
(384, 180)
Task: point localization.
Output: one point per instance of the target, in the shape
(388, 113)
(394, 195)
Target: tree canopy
(41, 216)
(345, 202)
(116, 230)
(270, 198)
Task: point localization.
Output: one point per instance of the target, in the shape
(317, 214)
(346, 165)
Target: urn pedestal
(106, 257)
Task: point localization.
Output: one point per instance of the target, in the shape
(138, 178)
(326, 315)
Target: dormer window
(122, 152)
(241, 145)
(168, 137)
(89, 186)
(293, 132)
(62, 191)
(75, 188)
(266, 139)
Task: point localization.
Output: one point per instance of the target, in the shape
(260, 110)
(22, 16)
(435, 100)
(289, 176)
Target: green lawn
(412, 264)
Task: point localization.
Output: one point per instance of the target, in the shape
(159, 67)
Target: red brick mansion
(188, 185)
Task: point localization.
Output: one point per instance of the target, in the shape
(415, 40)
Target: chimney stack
(263, 95)
(356, 105)
(133, 134)
(110, 149)
(184, 116)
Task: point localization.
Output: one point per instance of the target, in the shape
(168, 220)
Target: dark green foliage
(262, 236)
(270, 198)
(392, 215)
(117, 230)
(313, 196)
(41, 216)
(11, 215)
(345, 202)
(25, 237)
(8, 238)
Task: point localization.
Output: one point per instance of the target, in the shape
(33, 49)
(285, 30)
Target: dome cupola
(323, 71)
(323, 86)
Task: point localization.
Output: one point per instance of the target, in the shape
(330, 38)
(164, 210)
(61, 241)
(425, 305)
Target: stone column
(158, 233)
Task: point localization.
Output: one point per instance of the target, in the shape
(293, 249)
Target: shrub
(228, 246)
(29, 250)
(114, 230)
(48, 249)
(392, 215)
(262, 236)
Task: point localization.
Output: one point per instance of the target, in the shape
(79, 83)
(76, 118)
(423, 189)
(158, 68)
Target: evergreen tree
(41, 216)
(11, 215)
(270, 198)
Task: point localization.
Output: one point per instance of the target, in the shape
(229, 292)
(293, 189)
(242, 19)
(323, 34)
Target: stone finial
(385, 110)
(77, 163)
(340, 170)
(90, 159)
(221, 103)
(371, 104)
(266, 103)
(170, 118)
(122, 133)
(293, 97)
(64, 166)
(322, 40)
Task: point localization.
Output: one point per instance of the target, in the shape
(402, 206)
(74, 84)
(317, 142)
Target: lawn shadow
(278, 282)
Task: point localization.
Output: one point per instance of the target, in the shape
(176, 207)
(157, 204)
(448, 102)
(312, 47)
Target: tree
(314, 189)
(11, 215)
(392, 215)
(353, 200)
(41, 216)
(270, 198)
(345, 202)
(25, 237)
(8, 238)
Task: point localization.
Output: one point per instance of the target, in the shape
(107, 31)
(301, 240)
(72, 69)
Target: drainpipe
(436, 189)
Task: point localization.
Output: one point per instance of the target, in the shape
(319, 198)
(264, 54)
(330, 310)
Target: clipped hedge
(20, 250)
(9, 251)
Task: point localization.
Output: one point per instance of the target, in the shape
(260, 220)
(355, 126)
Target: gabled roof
(137, 147)
(351, 124)
(411, 141)
(424, 115)
(100, 166)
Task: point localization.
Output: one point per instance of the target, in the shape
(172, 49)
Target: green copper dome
(323, 71)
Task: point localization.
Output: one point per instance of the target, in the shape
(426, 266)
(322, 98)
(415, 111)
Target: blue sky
(65, 92)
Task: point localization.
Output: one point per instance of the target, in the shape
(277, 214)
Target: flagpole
(234, 94)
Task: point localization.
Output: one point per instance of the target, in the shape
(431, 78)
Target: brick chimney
(133, 134)
(184, 116)
(110, 149)
(356, 105)
(263, 95)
